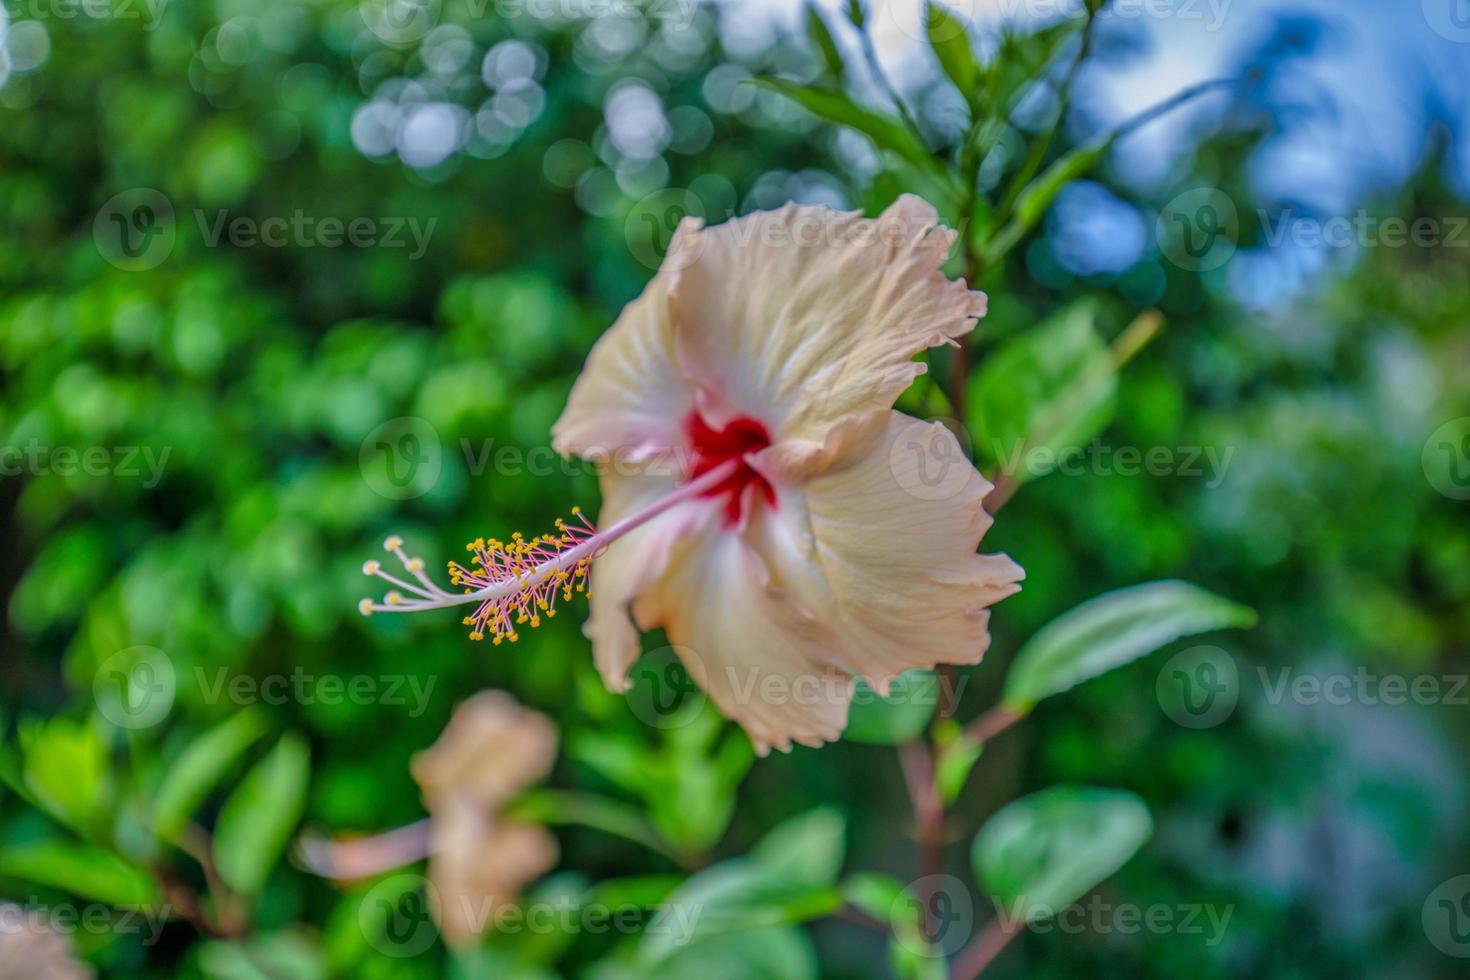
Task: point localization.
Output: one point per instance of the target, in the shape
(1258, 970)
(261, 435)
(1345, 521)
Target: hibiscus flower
(762, 501)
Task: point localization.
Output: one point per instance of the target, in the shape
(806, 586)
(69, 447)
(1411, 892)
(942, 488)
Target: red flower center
(712, 447)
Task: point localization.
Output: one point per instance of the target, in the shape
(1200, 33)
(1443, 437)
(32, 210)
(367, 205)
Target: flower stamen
(518, 582)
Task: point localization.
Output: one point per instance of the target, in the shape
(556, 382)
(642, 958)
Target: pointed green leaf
(1043, 394)
(1112, 630)
(257, 820)
(81, 869)
(1045, 851)
(950, 42)
(823, 42)
(855, 12)
(200, 768)
(886, 132)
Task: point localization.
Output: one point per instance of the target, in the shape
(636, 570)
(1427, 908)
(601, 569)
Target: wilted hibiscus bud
(31, 950)
(762, 501)
(479, 860)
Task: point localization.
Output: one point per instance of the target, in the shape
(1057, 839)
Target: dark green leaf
(1112, 630)
(257, 820)
(1045, 851)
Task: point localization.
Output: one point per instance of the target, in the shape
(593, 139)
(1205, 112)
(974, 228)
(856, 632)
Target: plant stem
(992, 723)
(983, 950)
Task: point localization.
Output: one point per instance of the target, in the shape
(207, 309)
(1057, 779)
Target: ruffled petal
(806, 317)
(765, 662)
(631, 565)
(631, 398)
(882, 548)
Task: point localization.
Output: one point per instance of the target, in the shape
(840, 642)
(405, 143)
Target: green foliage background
(263, 371)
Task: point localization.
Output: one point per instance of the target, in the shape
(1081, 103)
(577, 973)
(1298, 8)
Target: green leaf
(1044, 851)
(734, 896)
(898, 718)
(822, 40)
(1043, 394)
(886, 132)
(199, 769)
(954, 764)
(282, 956)
(65, 767)
(1041, 192)
(807, 848)
(256, 821)
(81, 869)
(950, 42)
(1112, 630)
(855, 12)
